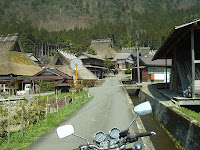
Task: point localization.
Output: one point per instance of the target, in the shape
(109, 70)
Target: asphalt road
(109, 108)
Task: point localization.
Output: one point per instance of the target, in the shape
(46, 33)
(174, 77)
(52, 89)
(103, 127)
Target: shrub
(47, 86)
(79, 87)
(89, 82)
(69, 97)
(71, 82)
(85, 82)
(128, 71)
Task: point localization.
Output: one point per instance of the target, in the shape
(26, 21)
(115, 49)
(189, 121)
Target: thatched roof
(13, 61)
(103, 48)
(61, 61)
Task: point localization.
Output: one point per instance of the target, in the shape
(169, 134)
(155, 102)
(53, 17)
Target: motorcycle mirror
(143, 108)
(64, 131)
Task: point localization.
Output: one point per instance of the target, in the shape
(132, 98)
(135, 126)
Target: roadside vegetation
(128, 71)
(20, 139)
(189, 112)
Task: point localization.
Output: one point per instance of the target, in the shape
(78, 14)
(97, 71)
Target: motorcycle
(116, 139)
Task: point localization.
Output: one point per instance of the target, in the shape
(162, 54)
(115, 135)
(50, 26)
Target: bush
(89, 82)
(69, 97)
(79, 87)
(47, 86)
(128, 71)
(85, 82)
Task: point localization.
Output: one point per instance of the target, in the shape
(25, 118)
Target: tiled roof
(92, 56)
(121, 56)
(159, 62)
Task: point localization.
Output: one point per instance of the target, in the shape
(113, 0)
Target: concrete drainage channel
(147, 144)
(161, 140)
(185, 129)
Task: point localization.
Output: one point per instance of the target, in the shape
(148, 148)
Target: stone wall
(185, 129)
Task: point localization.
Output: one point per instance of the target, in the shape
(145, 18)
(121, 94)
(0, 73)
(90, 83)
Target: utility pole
(166, 74)
(193, 63)
(138, 69)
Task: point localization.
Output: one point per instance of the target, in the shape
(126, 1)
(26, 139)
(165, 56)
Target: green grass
(60, 95)
(189, 112)
(33, 132)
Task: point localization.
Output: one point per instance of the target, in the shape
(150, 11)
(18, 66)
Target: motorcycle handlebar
(134, 138)
(130, 139)
(145, 134)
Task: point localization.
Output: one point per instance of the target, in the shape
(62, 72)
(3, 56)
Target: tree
(108, 64)
(27, 39)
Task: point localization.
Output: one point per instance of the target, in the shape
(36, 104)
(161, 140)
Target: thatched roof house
(61, 61)
(13, 61)
(103, 48)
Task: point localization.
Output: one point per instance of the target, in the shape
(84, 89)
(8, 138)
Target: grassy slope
(33, 132)
(190, 113)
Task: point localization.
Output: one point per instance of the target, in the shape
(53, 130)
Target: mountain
(56, 15)
(152, 19)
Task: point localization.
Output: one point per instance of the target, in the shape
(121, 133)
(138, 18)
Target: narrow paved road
(109, 108)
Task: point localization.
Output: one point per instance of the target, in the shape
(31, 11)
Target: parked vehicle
(26, 91)
(116, 139)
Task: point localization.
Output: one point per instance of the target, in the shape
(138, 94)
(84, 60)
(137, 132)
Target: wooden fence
(16, 114)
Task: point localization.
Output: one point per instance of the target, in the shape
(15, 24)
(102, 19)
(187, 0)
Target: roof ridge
(9, 37)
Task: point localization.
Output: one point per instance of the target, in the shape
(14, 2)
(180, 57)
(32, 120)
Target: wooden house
(53, 75)
(14, 63)
(153, 71)
(62, 86)
(49, 75)
(182, 46)
(104, 48)
(61, 62)
(93, 63)
(124, 61)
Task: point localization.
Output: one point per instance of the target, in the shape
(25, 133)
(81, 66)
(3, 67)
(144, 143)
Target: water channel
(161, 140)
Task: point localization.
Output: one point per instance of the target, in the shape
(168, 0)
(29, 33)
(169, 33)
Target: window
(158, 70)
(59, 62)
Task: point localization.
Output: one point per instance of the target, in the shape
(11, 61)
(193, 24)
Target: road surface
(109, 108)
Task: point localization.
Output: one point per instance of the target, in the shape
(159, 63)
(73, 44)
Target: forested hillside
(74, 23)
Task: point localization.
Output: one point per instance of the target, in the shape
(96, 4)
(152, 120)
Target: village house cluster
(21, 73)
